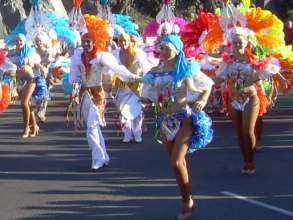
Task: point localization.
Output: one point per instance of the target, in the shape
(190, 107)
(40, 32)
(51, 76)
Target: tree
(121, 6)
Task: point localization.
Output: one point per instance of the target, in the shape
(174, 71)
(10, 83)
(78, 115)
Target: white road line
(254, 202)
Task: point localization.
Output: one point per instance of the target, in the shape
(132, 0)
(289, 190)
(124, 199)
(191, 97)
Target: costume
(6, 80)
(241, 82)
(193, 37)
(88, 69)
(211, 34)
(165, 17)
(21, 58)
(127, 99)
(53, 31)
(164, 88)
(56, 27)
(266, 52)
(165, 23)
(247, 39)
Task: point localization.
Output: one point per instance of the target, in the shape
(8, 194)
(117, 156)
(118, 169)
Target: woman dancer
(42, 44)
(26, 60)
(245, 97)
(251, 43)
(180, 91)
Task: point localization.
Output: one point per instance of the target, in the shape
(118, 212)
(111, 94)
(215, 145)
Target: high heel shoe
(248, 169)
(35, 132)
(26, 133)
(186, 211)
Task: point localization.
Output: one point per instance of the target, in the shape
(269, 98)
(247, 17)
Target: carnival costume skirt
(41, 92)
(202, 134)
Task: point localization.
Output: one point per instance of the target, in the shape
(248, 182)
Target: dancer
(26, 60)
(184, 127)
(244, 103)
(127, 99)
(250, 56)
(42, 45)
(87, 66)
(7, 84)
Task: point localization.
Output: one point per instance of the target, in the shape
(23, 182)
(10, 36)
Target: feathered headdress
(195, 33)
(164, 16)
(98, 30)
(260, 27)
(166, 13)
(76, 19)
(37, 21)
(126, 25)
(45, 22)
(105, 12)
(151, 30)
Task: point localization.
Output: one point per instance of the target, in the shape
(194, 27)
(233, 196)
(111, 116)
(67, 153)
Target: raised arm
(109, 61)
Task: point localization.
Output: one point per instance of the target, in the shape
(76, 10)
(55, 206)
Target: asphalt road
(48, 177)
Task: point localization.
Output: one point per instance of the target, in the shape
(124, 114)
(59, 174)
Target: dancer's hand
(135, 79)
(199, 104)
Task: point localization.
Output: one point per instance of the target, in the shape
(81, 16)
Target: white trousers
(97, 145)
(132, 127)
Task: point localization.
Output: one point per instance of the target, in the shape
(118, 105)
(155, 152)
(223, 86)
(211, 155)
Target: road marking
(254, 202)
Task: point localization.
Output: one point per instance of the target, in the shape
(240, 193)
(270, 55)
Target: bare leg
(258, 132)
(177, 151)
(169, 148)
(236, 117)
(26, 95)
(250, 115)
(180, 168)
(35, 127)
(178, 161)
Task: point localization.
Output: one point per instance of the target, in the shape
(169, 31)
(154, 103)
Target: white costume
(128, 102)
(92, 114)
(7, 66)
(103, 62)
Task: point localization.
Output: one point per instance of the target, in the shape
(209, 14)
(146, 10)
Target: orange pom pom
(57, 72)
(267, 27)
(214, 39)
(263, 101)
(5, 100)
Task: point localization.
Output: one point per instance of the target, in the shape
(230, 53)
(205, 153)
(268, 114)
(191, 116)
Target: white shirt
(100, 65)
